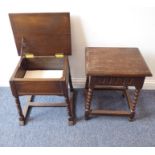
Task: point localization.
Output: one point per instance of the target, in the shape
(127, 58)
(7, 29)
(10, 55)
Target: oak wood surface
(104, 61)
(42, 33)
(115, 69)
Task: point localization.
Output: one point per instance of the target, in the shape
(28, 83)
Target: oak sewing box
(43, 41)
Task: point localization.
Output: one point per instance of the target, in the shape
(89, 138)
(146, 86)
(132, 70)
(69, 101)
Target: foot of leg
(86, 115)
(20, 113)
(71, 119)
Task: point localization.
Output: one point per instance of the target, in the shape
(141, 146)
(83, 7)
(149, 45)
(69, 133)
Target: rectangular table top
(122, 62)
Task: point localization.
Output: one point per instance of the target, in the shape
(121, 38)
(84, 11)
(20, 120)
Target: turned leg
(27, 109)
(70, 106)
(123, 92)
(86, 85)
(70, 82)
(134, 103)
(71, 119)
(88, 103)
(20, 113)
(87, 81)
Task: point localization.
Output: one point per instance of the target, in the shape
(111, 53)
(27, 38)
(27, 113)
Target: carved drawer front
(118, 81)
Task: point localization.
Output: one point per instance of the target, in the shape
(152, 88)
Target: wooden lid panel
(42, 34)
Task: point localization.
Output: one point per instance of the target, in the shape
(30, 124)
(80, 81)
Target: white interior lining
(43, 74)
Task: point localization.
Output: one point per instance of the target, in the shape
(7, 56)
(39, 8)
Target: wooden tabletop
(106, 61)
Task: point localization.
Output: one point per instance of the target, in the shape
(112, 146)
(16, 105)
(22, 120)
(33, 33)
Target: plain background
(107, 23)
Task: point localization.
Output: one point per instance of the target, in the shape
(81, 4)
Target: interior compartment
(43, 74)
(40, 67)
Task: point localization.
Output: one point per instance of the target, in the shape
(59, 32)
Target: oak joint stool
(114, 69)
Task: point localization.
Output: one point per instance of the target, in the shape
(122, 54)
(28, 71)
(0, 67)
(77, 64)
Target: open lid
(41, 34)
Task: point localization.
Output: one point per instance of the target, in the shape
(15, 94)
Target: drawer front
(118, 81)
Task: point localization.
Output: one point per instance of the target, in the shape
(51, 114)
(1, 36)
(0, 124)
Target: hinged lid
(41, 34)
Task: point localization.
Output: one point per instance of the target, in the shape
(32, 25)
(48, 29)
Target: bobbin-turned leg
(70, 80)
(20, 113)
(123, 92)
(86, 86)
(27, 109)
(88, 103)
(70, 105)
(71, 119)
(87, 81)
(134, 103)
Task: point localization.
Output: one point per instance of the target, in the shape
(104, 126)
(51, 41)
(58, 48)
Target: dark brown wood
(133, 108)
(87, 82)
(118, 81)
(88, 103)
(70, 106)
(20, 112)
(115, 62)
(38, 104)
(37, 86)
(110, 112)
(101, 87)
(42, 34)
(70, 82)
(114, 69)
(31, 103)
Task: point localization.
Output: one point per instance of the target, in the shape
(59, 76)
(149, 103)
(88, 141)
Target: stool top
(105, 61)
